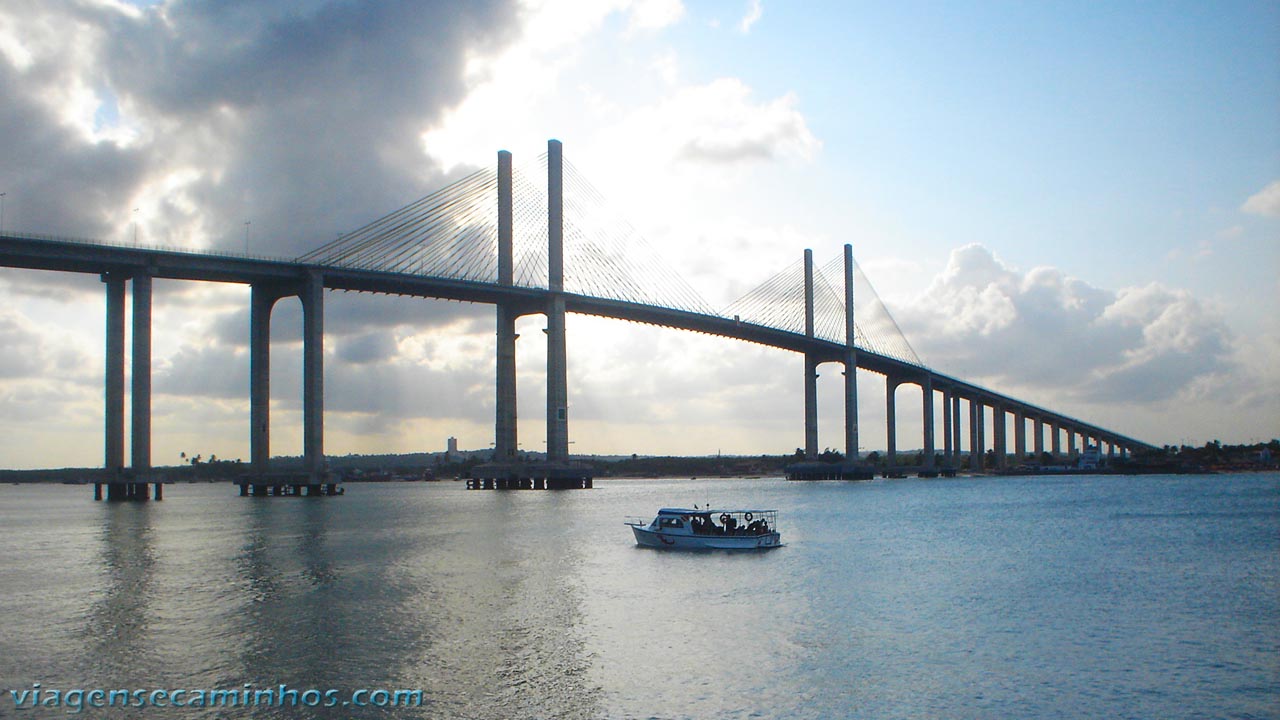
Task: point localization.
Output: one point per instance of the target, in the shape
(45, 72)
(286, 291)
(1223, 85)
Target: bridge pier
(313, 374)
(1020, 435)
(947, 449)
(557, 357)
(261, 302)
(261, 481)
(117, 491)
(114, 426)
(975, 452)
(891, 422)
(850, 363)
(1038, 424)
(1000, 429)
(929, 462)
(140, 399)
(506, 441)
(810, 366)
(955, 429)
(132, 485)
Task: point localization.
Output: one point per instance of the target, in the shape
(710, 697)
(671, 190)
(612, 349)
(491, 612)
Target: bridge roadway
(289, 277)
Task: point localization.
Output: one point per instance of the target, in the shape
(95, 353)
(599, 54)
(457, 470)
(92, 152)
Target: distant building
(452, 452)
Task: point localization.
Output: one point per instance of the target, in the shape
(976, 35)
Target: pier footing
(829, 471)
(117, 491)
(530, 476)
(287, 485)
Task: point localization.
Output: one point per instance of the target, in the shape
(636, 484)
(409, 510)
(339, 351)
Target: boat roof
(707, 511)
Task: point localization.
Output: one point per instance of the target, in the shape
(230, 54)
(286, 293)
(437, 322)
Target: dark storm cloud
(304, 118)
(55, 182)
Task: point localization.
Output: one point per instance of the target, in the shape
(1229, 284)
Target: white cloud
(981, 319)
(755, 10)
(1265, 202)
(655, 14)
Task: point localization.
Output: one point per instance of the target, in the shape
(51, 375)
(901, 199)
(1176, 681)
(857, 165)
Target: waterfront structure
(460, 244)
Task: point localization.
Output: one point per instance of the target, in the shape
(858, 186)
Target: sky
(1075, 204)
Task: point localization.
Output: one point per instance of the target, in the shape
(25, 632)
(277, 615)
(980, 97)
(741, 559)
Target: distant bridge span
(272, 279)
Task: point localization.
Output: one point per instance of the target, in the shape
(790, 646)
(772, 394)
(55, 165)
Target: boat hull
(670, 541)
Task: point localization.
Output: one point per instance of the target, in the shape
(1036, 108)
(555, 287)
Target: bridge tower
(505, 434)
(557, 358)
(810, 366)
(850, 363)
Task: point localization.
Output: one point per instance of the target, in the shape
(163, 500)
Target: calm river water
(1135, 597)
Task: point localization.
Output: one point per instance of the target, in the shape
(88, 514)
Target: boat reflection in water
(685, 529)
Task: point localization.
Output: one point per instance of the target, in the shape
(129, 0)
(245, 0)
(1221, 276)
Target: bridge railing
(185, 250)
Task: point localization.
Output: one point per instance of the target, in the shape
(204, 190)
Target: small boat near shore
(686, 529)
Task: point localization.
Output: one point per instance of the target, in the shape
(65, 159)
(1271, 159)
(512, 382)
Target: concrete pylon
(975, 447)
(113, 450)
(140, 398)
(955, 428)
(926, 392)
(1020, 435)
(980, 433)
(850, 362)
(557, 356)
(262, 299)
(313, 374)
(947, 448)
(505, 428)
(998, 432)
(810, 366)
(891, 420)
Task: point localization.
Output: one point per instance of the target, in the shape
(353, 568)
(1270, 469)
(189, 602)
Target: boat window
(671, 522)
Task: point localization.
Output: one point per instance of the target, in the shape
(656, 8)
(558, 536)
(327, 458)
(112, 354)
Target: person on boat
(730, 525)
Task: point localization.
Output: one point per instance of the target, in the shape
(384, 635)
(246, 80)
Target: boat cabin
(735, 523)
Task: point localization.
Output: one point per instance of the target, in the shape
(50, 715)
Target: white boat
(685, 529)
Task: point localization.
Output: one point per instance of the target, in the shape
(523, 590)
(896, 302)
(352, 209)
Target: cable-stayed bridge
(538, 240)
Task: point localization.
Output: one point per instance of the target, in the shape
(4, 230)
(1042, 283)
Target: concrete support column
(891, 420)
(982, 436)
(313, 373)
(850, 362)
(948, 451)
(810, 407)
(1071, 443)
(1056, 440)
(810, 366)
(114, 424)
(262, 299)
(557, 356)
(140, 456)
(999, 435)
(956, 426)
(1038, 424)
(505, 435)
(1020, 435)
(975, 446)
(926, 392)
